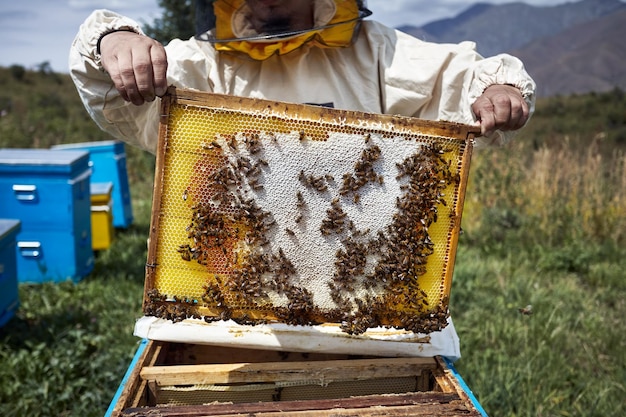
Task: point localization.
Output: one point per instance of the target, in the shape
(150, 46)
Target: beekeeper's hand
(137, 65)
(500, 107)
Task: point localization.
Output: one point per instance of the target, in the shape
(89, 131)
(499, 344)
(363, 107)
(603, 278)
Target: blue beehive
(49, 192)
(9, 298)
(108, 164)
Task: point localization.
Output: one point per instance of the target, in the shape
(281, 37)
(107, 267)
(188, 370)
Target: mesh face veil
(336, 23)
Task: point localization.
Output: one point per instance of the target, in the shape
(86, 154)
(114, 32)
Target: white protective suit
(384, 71)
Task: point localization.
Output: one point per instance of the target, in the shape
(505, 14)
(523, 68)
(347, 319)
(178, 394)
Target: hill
(585, 57)
(569, 48)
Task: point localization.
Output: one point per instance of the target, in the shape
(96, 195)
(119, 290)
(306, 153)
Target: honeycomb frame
(213, 235)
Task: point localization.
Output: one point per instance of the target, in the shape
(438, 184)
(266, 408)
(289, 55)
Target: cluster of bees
(376, 274)
(401, 249)
(207, 230)
(364, 172)
(174, 309)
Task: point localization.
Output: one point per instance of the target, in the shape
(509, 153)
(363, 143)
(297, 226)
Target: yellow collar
(335, 20)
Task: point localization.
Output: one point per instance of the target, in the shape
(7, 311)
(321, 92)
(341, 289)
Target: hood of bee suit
(335, 23)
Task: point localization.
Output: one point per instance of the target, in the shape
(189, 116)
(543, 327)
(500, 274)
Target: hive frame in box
(224, 381)
(326, 336)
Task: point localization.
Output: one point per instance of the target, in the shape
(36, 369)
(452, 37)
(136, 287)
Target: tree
(181, 19)
(17, 71)
(44, 68)
(177, 21)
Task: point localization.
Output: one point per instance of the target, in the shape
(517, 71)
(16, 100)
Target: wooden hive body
(177, 379)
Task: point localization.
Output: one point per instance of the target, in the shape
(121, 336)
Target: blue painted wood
(108, 163)
(465, 387)
(48, 191)
(131, 367)
(9, 296)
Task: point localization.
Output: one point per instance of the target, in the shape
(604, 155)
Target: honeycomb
(276, 212)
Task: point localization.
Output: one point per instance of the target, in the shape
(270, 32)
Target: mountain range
(572, 48)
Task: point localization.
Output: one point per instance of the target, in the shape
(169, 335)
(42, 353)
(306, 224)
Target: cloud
(13, 19)
(414, 12)
(13, 15)
(140, 10)
(35, 31)
(111, 4)
(419, 12)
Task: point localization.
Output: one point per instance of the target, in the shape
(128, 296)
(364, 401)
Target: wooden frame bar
(322, 371)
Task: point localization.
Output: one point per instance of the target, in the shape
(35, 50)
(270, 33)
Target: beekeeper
(302, 51)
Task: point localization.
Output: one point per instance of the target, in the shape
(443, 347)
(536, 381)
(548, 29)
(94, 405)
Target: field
(538, 297)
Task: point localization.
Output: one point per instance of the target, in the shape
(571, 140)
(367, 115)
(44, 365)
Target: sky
(33, 32)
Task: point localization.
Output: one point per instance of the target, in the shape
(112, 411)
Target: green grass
(544, 226)
(69, 345)
(565, 359)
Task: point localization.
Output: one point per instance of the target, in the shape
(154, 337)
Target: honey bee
(526, 311)
(225, 315)
(300, 200)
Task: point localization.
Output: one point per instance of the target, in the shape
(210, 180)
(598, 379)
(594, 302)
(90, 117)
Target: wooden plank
(323, 371)
(452, 130)
(442, 381)
(159, 176)
(193, 354)
(425, 382)
(133, 394)
(154, 350)
(454, 235)
(452, 381)
(391, 405)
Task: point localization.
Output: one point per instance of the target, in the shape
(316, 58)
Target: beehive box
(108, 164)
(9, 297)
(102, 231)
(299, 263)
(178, 379)
(48, 191)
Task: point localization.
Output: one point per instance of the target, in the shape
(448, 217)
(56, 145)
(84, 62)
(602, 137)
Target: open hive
(271, 212)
